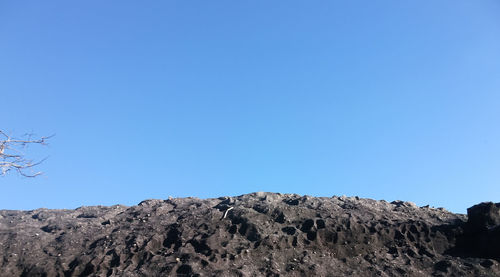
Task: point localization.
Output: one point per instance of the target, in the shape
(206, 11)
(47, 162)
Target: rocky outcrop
(258, 234)
(483, 216)
(481, 235)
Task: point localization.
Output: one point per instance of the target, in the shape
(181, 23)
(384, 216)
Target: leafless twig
(12, 156)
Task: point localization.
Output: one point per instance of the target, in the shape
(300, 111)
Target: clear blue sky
(380, 99)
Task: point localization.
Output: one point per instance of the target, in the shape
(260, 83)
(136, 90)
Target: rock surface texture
(258, 234)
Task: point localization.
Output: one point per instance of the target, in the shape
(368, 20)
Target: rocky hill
(258, 234)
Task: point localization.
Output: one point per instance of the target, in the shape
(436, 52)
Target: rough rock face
(258, 234)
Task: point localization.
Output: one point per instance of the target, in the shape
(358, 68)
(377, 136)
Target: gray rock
(262, 234)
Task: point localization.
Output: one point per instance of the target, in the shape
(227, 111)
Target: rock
(481, 235)
(258, 234)
(482, 216)
(442, 266)
(487, 263)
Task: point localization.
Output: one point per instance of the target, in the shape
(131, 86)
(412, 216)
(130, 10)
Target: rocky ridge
(258, 234)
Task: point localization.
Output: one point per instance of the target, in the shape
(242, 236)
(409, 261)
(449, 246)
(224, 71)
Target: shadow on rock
(481, 233)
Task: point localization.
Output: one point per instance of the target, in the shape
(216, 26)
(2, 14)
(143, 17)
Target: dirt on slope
(258, 234)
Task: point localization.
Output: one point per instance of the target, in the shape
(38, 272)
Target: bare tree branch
(12, 157)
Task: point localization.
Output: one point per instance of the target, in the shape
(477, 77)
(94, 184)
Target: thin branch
(12, 158)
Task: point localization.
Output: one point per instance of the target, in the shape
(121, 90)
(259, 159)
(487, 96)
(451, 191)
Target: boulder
(483, 216)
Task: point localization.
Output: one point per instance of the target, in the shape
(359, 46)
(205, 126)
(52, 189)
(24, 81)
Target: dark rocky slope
(259, 234)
